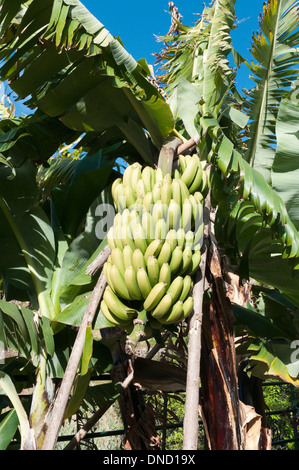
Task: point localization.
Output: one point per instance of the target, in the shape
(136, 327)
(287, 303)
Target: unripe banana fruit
(155, 243)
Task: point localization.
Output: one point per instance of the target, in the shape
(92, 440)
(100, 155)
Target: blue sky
(137, 24)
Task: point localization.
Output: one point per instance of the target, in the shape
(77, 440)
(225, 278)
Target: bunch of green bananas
(155, 243)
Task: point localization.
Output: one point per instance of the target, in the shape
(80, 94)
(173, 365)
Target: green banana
(187, 308)
(126, 237)
(107, 270)
(165, 274)
(117, 307)
(118, 283)
(159, 175)
(190, 171)
(158, 211)
(153, 270)
(148, 226)
(127, 175)
(127, 256)
(139, 237)
(186, 218)
(199, 197)
(161, 229)
(197, 212)
(135, 177)
(186, 288)
(180, 236)
(148, 178)
(114, 186)
(148, 201)
(132, 284)
(172, 239)
(126, 217)
(174, 315)
(162, 307)
(204, 189)
(174, 214)
(198, 235)
(153, 249)
(176, 174)
(118, 260)
(117, 227)
(157, 192)
(196, 258)
(143, 281)
(176, 192)
(140, 189)
(183, 163)
(196, 183)
(113, 319)
(165, 253)
(175, 288)
(166, 191)
(138, 260)
(134, 217)
(130, 197)
(187, 261)
(110, 238)
(189, 239)
(184, 191)
(176, 259)
(155, 296)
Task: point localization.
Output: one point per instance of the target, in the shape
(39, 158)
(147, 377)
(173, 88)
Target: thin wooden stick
(190, 424)
(98, 262)
(72, 367)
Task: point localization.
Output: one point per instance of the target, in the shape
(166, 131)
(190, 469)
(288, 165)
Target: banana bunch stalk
(155, 243)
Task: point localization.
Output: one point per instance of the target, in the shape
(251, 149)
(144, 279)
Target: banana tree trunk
(220, 404)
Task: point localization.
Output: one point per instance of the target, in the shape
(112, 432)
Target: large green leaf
(8, 427)
(20, 332)
(285, 169)
(274, 48)
(27, 234)
(89, 179)
(69, 65)
(271, 353)
(251, 185)
(81, 252)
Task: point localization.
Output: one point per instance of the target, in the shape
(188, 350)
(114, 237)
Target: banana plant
(65, 63)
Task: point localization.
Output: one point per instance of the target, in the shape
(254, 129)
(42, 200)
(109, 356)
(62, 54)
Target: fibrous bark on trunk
(219, 385)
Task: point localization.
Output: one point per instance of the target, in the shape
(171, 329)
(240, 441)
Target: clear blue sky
(137, 24)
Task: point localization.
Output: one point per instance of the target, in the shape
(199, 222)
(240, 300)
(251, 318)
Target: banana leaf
(274, 67)
(285, 168)
(8, 427)
(268, 339)
(69, 66)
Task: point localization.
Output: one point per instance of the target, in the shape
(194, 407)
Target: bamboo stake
(72, 367)
(190, 425)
